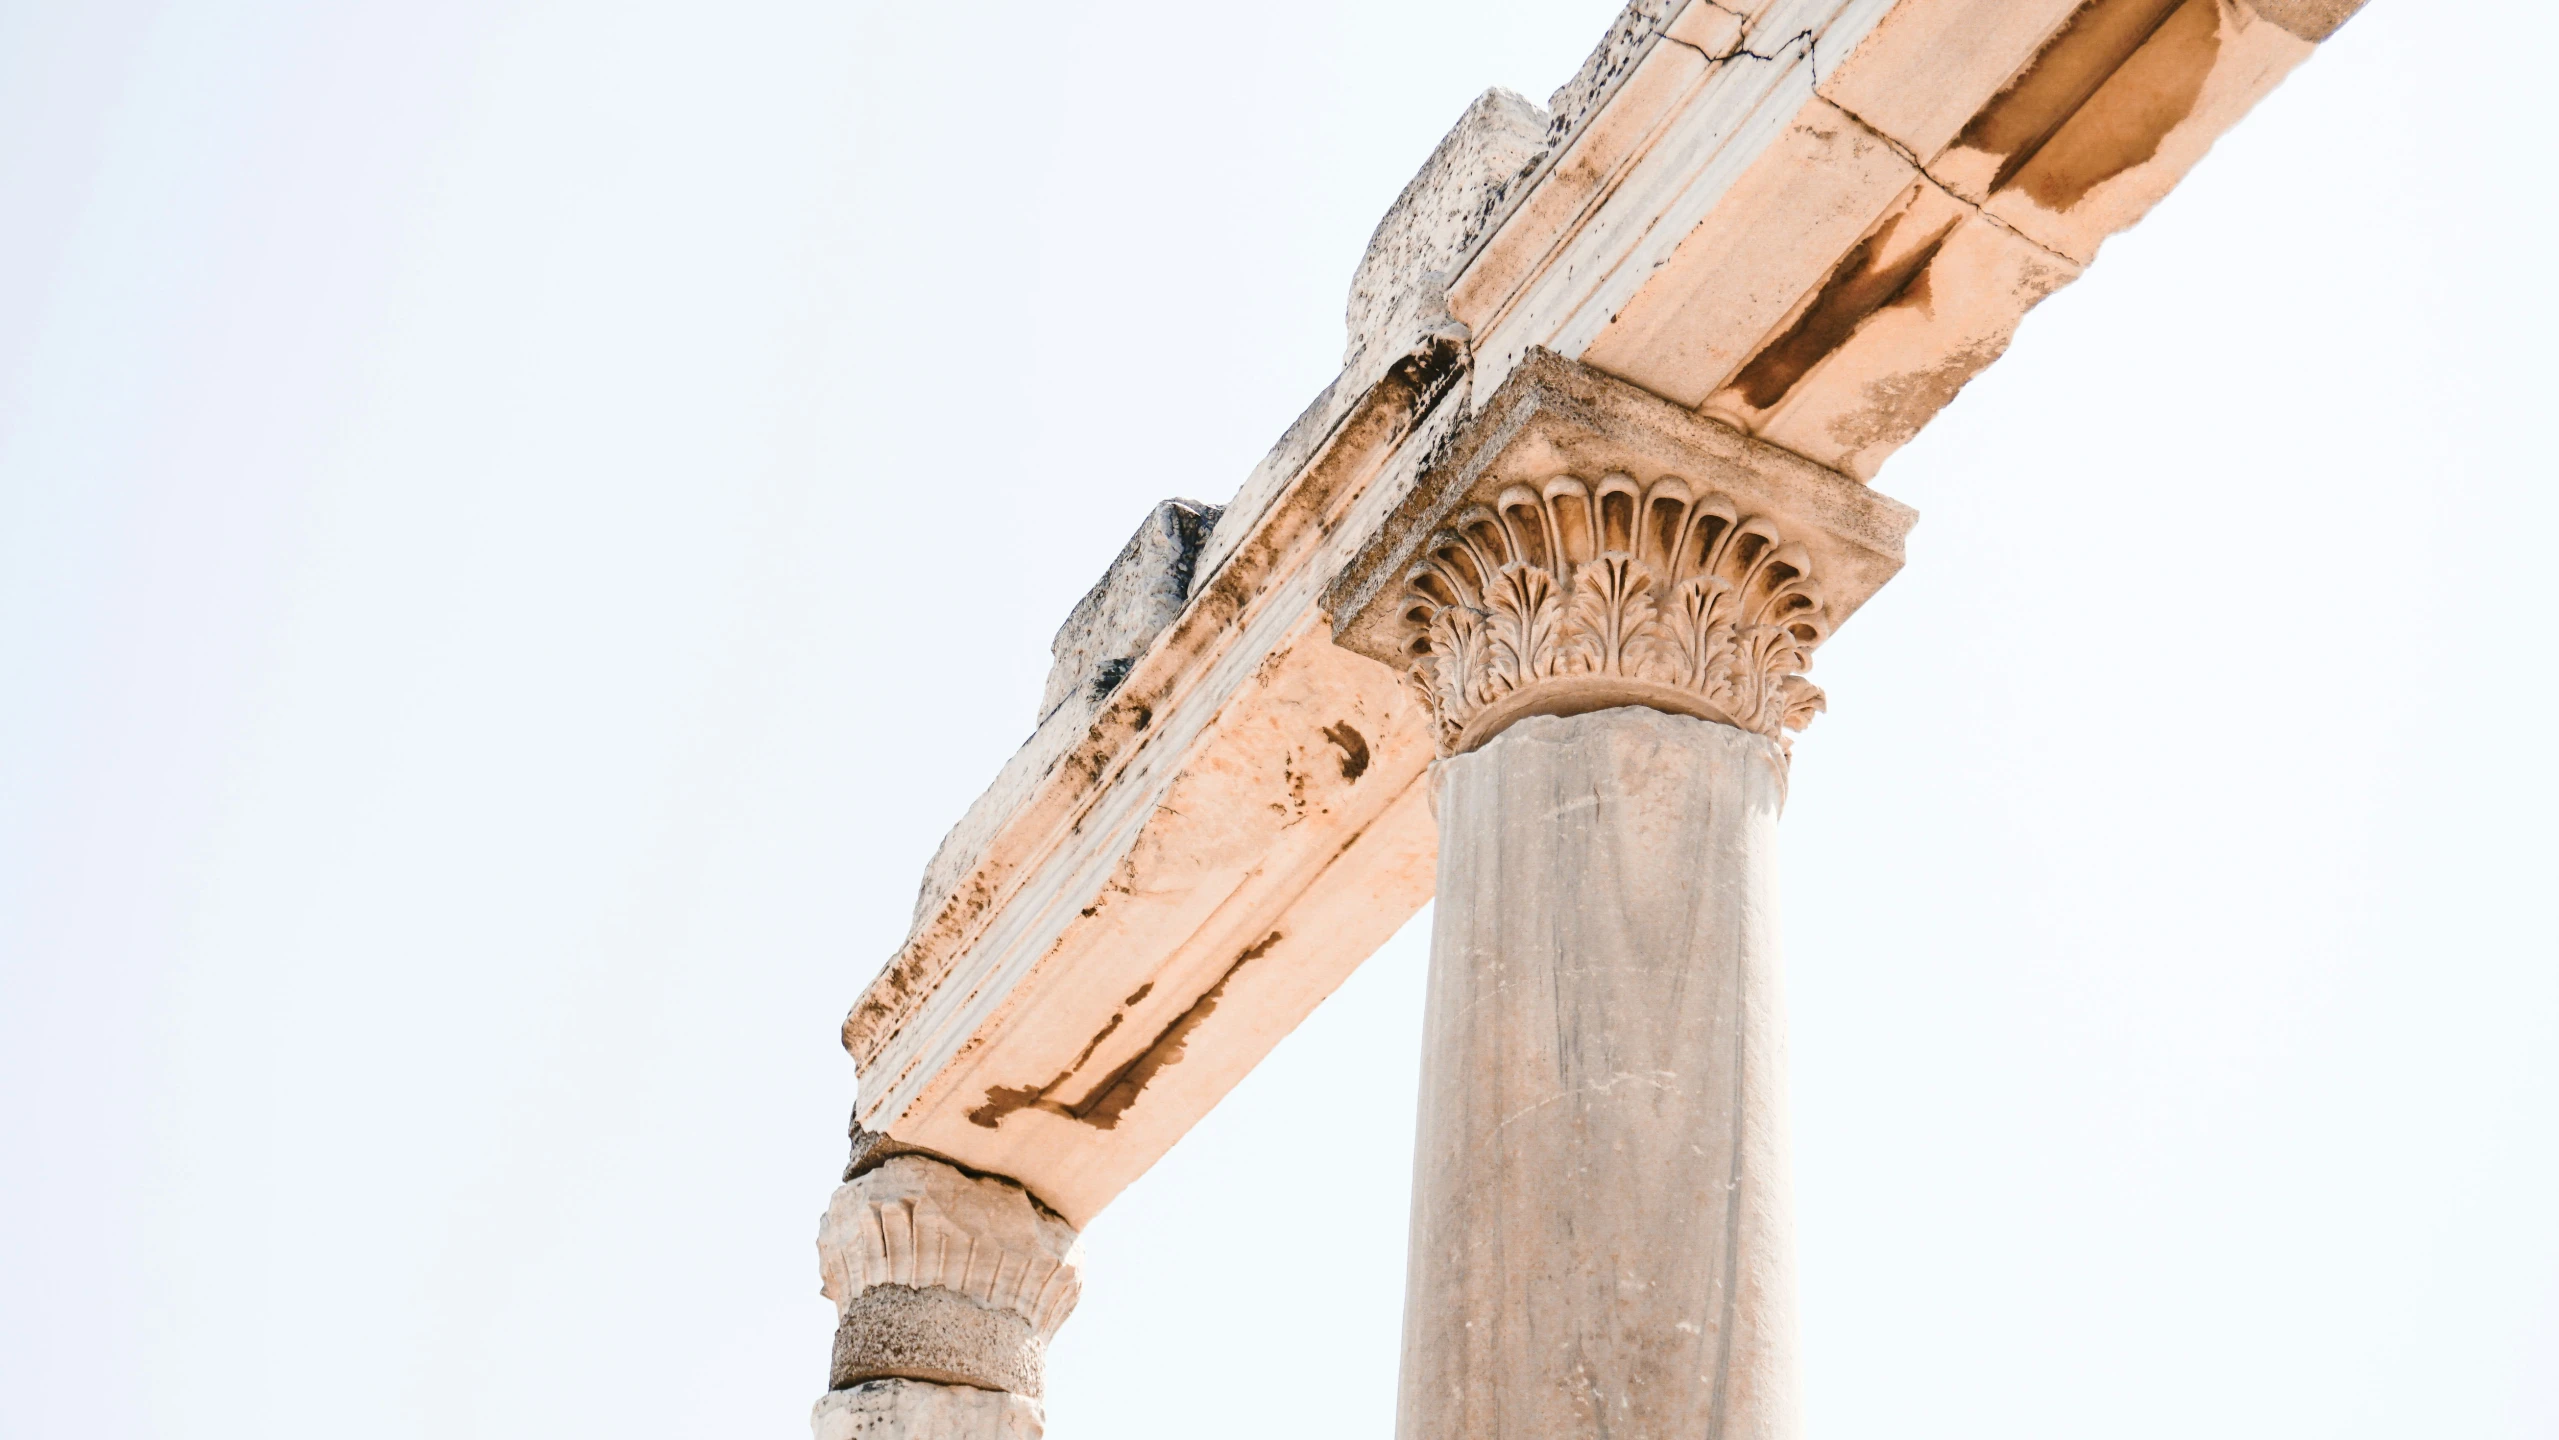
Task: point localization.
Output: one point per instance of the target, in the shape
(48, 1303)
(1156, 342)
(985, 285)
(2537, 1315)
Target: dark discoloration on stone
(2153, 92)
(1139, 595)
(1863, 282)
(1354, 748)
(871, 1150)
(1111, 1097)
(1333, 449)
(2098, 98)
(2079, 58)
(1003, 1100)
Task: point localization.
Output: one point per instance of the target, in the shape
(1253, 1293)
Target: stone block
(917, 1410)
(1128, 607)
(1911, 313)
(1399, 296)
(1926, 69)
(2067, 175)
(1802, 203)
(1602, 1243)
(900, 1332)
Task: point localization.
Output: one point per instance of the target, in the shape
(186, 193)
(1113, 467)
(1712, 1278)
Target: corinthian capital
(1566, 597)
(1583, 544)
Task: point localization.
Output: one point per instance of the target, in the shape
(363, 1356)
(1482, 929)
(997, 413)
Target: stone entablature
(1791, 233)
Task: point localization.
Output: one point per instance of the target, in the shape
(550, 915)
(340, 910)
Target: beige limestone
(2068, 121)
(917, 1410)
(1786, 219)
(914, 1221)
(2122, 150)
(1399, 295)
(1661, 156)
(1161, 902)
(1814, 218)
(1851, 381)
(952, 1280)
(897, 1332)
(1922, 74)
(1601, 1240)
(2309, 19)
(1126, 609)
(1565, 469)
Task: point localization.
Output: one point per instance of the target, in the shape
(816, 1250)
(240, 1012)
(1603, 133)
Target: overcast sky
(521, 524)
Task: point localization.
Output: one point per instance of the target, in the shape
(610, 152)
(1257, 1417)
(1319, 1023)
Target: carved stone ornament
(1570, 597)
(918, 1223)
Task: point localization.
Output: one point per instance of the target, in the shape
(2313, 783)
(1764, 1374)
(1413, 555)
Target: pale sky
(522, 523)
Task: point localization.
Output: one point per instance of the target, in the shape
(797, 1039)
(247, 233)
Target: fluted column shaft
(1601, 1237)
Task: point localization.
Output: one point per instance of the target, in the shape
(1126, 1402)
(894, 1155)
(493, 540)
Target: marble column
(948, 1287)
(1600, 1235)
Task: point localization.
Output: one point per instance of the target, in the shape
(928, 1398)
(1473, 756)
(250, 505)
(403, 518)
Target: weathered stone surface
(1113, 624)
(1601, 1241)
(2312, 20)
(870, 1150)
(2066, 175)
(1553, 419)
(1815, 218)
(1399, 296)
(1929, 297)
(1125, 610)
(1633, 34)
(900, 1332)
(1802, 203)
(951, 1280)
(1692, 109)
(916, 1222)
(1048, 1021)
(917, 1410)
(1926, 69)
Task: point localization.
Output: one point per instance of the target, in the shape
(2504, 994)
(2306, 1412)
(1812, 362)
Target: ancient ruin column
(1600, 1241)
(1601, 1233)
(947, 1287)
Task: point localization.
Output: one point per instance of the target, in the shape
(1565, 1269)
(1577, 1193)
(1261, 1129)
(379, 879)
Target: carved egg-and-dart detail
(1567, 597)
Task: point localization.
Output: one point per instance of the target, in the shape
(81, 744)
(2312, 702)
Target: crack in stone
(1803, 42)
(1911, 158)
(1808, 44)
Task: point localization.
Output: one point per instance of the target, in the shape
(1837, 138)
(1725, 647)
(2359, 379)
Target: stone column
(1600, 1239)
(1601, 1236)
(947, 1287)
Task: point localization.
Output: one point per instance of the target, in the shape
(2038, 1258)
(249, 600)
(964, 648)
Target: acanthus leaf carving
(1566, 596)
(1527, 624)
(1613, 630)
